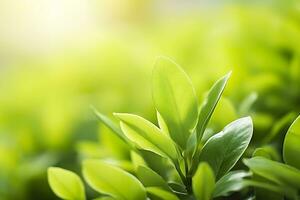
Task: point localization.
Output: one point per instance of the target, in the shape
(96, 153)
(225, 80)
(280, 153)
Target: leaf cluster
(174, 160)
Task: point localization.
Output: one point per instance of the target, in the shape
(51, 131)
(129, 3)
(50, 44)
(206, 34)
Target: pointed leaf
(109, 123)
(174, 98)
(113, 181)
(137, 160)
(210, 103)
(157, 163)
(276, 172)
(146, 135)
(150, 178)
(178, 188)
(247, 104)
(204, 182)
(66, 184)
(231, 182)
(291, 146)
(162, 124)
(156, 193)
(224, 149)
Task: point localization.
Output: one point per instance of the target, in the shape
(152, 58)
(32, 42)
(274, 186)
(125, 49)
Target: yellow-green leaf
(146, 135)
(174, 98)
(276, 172)
(224, 149)
(204, 182)
(109, 123)
(113, 181)
(210, 103)
(291, 146)
(162, 124)
(66, 184)
(156, 193)
(150, 178)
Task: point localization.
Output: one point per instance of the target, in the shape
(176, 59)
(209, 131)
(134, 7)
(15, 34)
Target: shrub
(172, 160)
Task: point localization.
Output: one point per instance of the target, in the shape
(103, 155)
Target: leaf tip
(162, 58)
(246, 161)
(229, 74)
(52, 170)
(248, 118)
(119, 115)
(163, 61)
(95, 111)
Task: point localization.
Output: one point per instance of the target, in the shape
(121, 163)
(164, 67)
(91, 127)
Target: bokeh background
(58, 57)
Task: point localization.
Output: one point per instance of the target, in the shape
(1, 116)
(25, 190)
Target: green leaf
(109, 123)
(247, 104)
(291, 146)
(113, 181)
(209, 104)
(146, 135)
(274, 171)
(65, 184)
(105, 198)
(178, 188)
(137, 160)
(276, 190)
(112, 144)
(156, 193)
(122, 164)
(219, 121)
(266, 191)
(268, 152)
(204, 182)
(231, 182)
(162, 124)
(224, 149)
(174, 98)
(150, 178)
(157, 163)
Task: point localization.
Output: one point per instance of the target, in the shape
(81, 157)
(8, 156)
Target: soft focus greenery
(47, 85)
(196, 168)
(193, 165)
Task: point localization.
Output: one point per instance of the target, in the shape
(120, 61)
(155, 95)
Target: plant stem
(188, 176)
(183, 178)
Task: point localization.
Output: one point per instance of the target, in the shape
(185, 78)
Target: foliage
(281, 178)
(172, 164)
(44, 120)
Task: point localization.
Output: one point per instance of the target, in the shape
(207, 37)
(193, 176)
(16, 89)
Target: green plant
(172, 160)
(270, 174)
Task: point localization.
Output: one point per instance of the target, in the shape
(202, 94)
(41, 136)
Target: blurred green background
(58, 57)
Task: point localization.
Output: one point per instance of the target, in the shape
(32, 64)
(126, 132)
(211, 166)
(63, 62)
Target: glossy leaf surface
(113, 181)
(276, 172)
(224, 149)
(209, 104)
(150, 178)
(174, 98)
(66, 184)
(231, 182)
(156, 193)
(291, 146)
(203, 182)
(146, 135)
